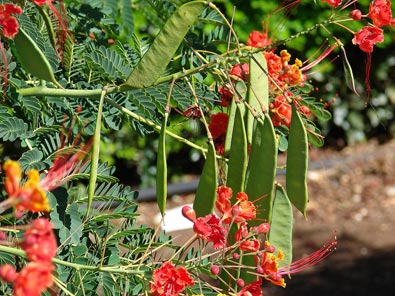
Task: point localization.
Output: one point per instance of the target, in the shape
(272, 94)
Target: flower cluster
(228, 230)
(381, 16)
(31, 195)
(39, 244)
(38, 241)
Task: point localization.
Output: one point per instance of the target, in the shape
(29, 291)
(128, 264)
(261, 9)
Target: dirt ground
(352, 193)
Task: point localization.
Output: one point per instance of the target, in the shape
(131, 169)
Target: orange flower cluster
(40, 245)
(27, 197)
(31, 196)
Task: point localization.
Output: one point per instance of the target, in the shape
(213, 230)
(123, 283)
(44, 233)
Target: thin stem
(112, 269)
(212, 5)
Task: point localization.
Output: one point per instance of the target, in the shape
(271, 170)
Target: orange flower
(39, 241)
(169, 281)
(268, 262)
(28, 197)
(13, 177)
(251, 245)
(31, 196)
(242, 232)
(258, 39)
(222, 203)
(33, 279)
(281, 111)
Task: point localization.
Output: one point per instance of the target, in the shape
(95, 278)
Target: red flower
(251, 245)
(367, 37)
(39, 241)
(252, 289)
(169, 281)
(380, 13)
(209, 229)
(8, 23)
(334, 3)
(226, 95)
(244, 210)
(218, 126)
(258, 39)
(241, 71)
(41, 2)
(33, 279)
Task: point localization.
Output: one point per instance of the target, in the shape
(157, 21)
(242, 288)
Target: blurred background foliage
(133, 23)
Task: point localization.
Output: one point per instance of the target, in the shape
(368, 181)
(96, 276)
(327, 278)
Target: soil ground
(352, 193)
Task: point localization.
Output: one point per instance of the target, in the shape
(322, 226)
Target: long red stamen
(328, 248)
(323, 55)
(65, 165)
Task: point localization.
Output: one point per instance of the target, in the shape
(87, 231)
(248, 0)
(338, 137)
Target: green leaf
(76, 225)
(280, 233)
(206, 190)
(261, 170)
(164, 46)
(258, 92)
(297, 159)
(32, 58)
(12, 128)
(32, 159)
(161, 168)
(237, 164)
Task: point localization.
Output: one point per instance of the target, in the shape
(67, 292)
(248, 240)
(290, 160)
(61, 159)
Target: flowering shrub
(68, 225)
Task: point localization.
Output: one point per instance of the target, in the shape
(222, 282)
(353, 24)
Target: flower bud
(240, 283)
(271, 249)
(214, 269)
(8, 273)
(262, 228)
(236, 256)
(189, 213)
(356, 15)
